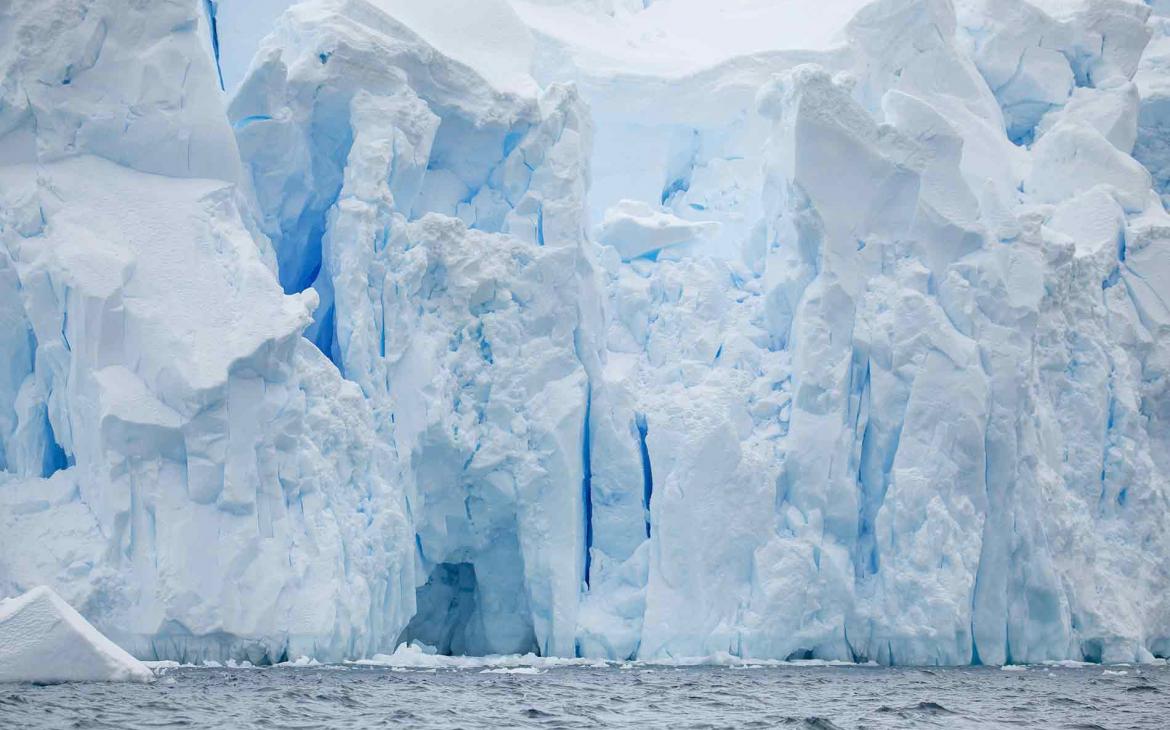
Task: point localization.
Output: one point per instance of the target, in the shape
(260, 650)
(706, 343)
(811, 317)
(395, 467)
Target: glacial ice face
(641, 330)
(455, 282)
(183, 465)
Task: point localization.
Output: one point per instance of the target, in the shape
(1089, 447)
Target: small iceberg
(43, 640)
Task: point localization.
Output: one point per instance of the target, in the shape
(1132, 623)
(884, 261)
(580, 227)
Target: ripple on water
(817, 723)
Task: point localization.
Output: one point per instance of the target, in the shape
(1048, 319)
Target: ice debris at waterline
(590, 328)
(42, 639)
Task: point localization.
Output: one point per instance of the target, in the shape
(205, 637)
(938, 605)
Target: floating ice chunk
(636, 229)
(420, 656)
(301, 661)
(1067, 663)
(42, 639)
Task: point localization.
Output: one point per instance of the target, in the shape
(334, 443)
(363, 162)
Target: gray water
(822, 697)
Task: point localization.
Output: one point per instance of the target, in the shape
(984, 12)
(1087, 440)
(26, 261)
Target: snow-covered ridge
(496, 327)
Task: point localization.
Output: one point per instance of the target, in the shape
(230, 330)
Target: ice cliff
(590, 327)
(183, 466)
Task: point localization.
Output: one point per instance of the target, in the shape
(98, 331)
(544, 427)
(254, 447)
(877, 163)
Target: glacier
(590, 328)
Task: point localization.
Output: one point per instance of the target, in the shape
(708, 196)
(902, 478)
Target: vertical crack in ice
(684, 170)
(210, 7)
(54, 459)
(975, 660)
(647, 473)
(587, 483)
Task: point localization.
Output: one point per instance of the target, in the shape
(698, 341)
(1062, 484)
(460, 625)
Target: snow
(678, 37)
(474, 32)
(44, 640)
(484, 34)
(546, 331)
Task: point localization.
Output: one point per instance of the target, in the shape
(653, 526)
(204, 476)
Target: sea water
(631, 695)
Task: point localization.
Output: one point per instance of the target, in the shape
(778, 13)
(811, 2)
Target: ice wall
(182, 465)
(444, 215)
(631, 330)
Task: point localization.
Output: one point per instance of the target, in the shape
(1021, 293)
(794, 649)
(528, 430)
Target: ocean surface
(634, 696)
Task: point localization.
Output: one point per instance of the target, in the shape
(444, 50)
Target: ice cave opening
(456, 615)
(446, 617)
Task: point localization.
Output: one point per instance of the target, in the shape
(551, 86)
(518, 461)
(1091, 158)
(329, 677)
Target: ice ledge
(636, 229)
